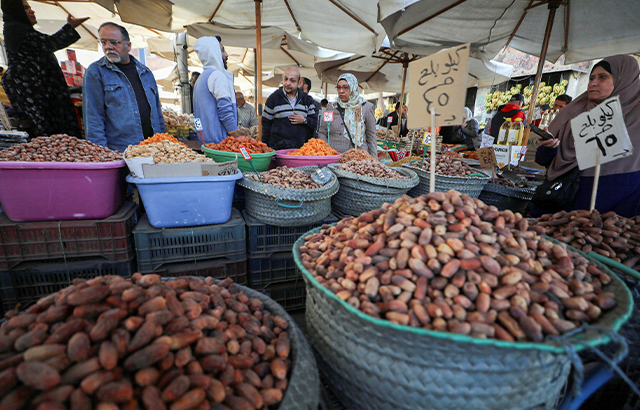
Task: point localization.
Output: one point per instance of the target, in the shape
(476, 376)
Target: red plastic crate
(111, 238)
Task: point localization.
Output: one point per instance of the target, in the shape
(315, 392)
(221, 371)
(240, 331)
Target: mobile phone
(544, 134)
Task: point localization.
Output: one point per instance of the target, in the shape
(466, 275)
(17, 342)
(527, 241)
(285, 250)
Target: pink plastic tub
(42, 191)
(293, 161)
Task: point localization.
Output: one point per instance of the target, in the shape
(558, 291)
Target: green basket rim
(237, 154)
(544, 346)
(616, 265)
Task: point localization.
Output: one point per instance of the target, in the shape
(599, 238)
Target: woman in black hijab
(34, 81)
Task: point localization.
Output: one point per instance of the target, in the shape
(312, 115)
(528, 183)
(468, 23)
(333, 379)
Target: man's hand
(74, 22)
(296, 118)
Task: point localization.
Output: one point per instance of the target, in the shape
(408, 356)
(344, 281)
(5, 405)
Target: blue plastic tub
(187, 201)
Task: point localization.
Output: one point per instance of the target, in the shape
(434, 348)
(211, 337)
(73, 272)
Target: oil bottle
(503, 134)
(515, 132)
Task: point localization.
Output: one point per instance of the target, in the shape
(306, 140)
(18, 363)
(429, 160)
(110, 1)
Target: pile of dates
(110, 343)
(372, 169)
(448, 262)
(610, 235)
(59, 148)
(447, 166)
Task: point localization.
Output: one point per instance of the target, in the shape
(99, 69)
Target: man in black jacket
(289, 117)
(404, 130)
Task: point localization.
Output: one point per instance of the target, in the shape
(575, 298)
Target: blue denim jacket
(109, 106)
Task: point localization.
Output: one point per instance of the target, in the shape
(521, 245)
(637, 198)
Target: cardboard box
(189, 169)
(71, 55)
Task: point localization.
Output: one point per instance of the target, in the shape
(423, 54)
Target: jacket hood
(208, 49)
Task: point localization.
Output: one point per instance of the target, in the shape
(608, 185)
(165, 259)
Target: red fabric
(510, 107)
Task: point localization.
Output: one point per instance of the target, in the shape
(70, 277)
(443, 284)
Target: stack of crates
(217, 250)
(271, 267)
(40, 258)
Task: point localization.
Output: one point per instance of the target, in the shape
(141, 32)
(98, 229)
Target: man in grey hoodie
(214, 99)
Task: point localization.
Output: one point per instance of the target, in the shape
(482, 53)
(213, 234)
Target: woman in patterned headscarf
(34, 81)
(354, 124)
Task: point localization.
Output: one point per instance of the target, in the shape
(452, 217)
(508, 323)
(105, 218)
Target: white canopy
(590, 29)
(374, 73)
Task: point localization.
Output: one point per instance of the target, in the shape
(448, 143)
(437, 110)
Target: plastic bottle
(515, 132)
(545, 119)
(503, 134)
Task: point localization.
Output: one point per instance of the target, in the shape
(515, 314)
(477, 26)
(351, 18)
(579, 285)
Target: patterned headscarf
(353, 124)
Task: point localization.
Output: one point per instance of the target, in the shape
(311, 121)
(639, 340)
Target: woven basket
(359, 194)
(630, 365)
(375, 364)
(303, 391)
(502, 197)
(471, 186)
(273, 205)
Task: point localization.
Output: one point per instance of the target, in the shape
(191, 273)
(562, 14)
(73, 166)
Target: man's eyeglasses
(341, 88)
(104, 41)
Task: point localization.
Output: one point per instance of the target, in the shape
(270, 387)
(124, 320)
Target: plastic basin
(44, 191)
(260, 161)
(187, 201)
(293, 161)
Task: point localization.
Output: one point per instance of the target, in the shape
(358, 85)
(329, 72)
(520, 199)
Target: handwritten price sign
(601, 129)
(487, 157)
(439, 81)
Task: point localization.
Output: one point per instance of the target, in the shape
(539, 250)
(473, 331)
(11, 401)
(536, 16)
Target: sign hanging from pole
(601, 129)
(439, 82)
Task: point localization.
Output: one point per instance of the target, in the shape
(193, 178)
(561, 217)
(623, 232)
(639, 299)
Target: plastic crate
(216, 268)
(273, 268)
(290, 295)
(158, 246)
(30, 281)
(264, 239)
(110, 238)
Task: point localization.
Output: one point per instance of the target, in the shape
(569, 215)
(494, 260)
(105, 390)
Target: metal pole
(553, 5)
(405, 65)
(183, 71)
(259, 65)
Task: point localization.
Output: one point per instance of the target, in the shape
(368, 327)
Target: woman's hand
(552, 143)
(74, 22)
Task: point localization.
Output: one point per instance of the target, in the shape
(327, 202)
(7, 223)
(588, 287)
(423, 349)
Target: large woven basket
(273, 205)
(360, 194)
(375, 364)
(630, 365)
(471, 186)
(502, 197)
(303, 392)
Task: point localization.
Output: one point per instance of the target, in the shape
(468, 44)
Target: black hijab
(16, 23)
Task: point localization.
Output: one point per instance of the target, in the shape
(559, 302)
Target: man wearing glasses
(289, 118)
(120, 100)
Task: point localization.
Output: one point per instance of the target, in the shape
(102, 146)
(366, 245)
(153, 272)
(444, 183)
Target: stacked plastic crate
(39, 258)
(217, 250)
(270, 263)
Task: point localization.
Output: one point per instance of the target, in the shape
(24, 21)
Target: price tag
(440, 82)
(426, 139)
(487, 140)
(198, 124)
(389, 120)
(502, 153)
(487, 157)
(516, 153)
(601, 129)
(327, 116)
(245, 153)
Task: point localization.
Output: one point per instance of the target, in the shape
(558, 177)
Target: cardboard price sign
(601, 129)
(440, 82)
(487, 157)
(503, 154)
(327, 116)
